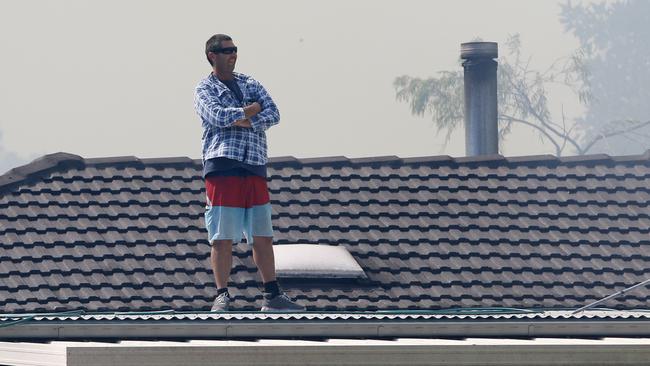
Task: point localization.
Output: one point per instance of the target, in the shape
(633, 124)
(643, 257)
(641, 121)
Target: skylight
(315, 261)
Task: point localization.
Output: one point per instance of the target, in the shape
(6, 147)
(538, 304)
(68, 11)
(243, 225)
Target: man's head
(221, 53)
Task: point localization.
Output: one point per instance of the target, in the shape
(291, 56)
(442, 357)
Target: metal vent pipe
(480, 68)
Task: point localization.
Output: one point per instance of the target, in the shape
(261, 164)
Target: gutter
(328, 325)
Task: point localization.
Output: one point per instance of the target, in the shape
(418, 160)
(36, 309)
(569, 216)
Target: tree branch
(614, 133)
(551, 138)
(566, 134)
(542, 120)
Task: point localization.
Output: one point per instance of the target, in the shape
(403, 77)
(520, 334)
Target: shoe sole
(266, 309)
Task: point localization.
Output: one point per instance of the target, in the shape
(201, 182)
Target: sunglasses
(225, 50)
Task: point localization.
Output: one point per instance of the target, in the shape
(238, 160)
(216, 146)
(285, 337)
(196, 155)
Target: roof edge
(180, 160)
(495, 159)
(39, 166)
(331, 325)
(61, 160)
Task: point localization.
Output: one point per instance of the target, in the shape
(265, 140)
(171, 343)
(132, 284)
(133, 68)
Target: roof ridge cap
(61, 159)
(37, 166)
(595, 158)
(462, 160)
(144, 161)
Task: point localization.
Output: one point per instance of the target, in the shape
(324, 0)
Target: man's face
(225, 62)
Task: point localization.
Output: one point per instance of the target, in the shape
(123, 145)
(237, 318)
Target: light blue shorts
(232, 223)
(237, 206)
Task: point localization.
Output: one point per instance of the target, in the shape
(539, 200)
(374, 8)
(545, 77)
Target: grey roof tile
(432, 232)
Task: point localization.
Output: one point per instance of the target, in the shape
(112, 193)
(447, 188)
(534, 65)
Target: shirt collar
(221, 87)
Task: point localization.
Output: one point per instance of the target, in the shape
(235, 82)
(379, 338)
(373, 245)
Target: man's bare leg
(263, 257)
(274, 298)
(221, 260)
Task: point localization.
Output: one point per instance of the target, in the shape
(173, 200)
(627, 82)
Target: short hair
(214, 43)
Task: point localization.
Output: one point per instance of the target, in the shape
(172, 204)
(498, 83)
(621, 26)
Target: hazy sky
(112, 78)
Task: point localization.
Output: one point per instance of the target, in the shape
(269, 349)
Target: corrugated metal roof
(328, 325)
(460, 314)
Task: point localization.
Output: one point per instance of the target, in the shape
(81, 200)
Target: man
(235, 111)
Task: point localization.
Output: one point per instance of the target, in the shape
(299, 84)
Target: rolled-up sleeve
(212, 112)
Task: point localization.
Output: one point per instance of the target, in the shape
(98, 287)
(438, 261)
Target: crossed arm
(258, 116)
(268, 114)
(249, 111)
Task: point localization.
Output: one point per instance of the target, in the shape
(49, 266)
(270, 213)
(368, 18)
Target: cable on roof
(31, 315)
(24, 318)
(612, 296)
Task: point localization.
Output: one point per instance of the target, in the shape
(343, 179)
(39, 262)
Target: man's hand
(245, 123)
(249, 111)
(252, 109)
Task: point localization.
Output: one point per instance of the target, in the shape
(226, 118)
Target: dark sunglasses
(225, 50)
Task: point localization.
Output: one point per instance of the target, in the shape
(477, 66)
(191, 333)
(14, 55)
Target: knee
(263, 241)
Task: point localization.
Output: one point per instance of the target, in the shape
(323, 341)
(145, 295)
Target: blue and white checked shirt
(219, 108)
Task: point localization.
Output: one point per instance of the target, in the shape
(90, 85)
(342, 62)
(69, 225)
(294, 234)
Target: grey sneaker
(282, 302)
(221, 302)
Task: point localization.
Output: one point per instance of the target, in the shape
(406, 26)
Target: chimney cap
(479, 50)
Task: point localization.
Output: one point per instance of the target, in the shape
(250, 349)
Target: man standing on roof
(235, 110)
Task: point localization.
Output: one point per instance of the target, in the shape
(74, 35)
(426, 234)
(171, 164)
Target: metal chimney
(481, 131)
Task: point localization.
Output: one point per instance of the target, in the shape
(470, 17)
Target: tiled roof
(435, 232)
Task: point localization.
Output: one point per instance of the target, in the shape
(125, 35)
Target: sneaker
(221, 302)
(282, 302)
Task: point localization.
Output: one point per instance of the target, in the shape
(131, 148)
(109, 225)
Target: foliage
(521, 94)
(442, 97)
(609, 74)
(615, 42)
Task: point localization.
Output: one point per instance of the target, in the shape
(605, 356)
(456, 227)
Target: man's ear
(212, 56)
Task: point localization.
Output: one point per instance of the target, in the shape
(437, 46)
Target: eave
(206, 325)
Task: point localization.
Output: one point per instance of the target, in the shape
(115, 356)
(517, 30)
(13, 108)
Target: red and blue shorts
(236, 206)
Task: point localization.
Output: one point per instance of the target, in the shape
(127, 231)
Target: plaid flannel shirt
(219, 109)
